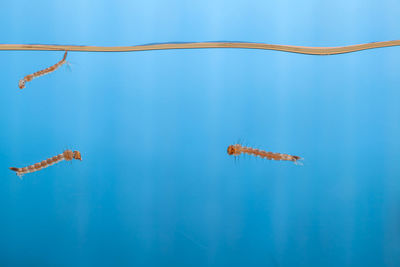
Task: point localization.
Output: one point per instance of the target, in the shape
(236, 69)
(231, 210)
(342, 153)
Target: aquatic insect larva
(39, 73)
(66, 155)
(237, 149)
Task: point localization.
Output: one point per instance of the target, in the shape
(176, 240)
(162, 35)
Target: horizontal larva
(39, 73)
(66, 155)
(237, 149)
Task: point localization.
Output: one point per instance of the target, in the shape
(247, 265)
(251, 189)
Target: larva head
(77, 155)
(234, 150)
(21, 84)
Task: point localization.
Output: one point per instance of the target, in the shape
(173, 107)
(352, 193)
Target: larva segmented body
(39, 73)
(66, 155)
(237, 149)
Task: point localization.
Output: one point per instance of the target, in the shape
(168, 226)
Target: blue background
(156, 186)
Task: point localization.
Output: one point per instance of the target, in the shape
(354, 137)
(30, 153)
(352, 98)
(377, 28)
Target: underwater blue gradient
(156, 186)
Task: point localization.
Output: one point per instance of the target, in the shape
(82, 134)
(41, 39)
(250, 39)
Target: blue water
(156, 186)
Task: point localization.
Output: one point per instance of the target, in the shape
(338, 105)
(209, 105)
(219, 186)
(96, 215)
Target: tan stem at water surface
(197, 45)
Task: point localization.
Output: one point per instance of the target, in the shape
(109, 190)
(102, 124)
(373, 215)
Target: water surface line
(197, 45)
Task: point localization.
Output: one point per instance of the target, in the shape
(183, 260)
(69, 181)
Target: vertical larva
(66, 155)
(39, 73)
(237, 149)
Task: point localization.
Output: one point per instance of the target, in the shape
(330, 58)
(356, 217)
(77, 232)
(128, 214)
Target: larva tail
(17, 172)
(298, 160)
(68, 65)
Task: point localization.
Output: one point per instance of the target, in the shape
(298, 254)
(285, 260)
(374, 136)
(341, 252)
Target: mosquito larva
(39, 73)
(66, 155)
(238, 149)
